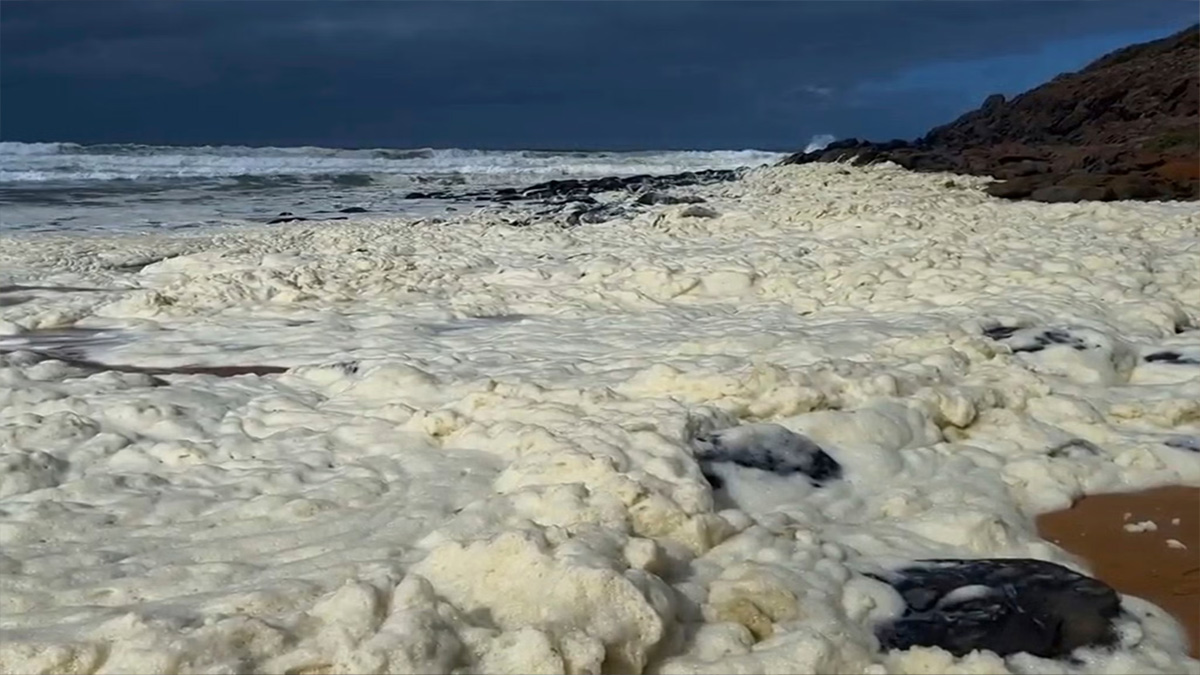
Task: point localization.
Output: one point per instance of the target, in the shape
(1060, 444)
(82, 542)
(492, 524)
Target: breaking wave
(72, 162)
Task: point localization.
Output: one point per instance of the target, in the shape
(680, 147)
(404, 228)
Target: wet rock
(698, 211)
(1173, 358)
(662, 198)
(352, 209)
(1016, 188)
(285, 217)
(1055, 194)
(1074, 449)
(578, 189)
(1006, 606)
(1024, 340)
(1134, 187)
(434, 194)
(1181, 171)
(575, 188)
(765, 447)
(1001, 332)
(1191, 443)
(588, 214)
(1021, 169)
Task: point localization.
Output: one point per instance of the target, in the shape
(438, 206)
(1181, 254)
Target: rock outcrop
(1127, 126)
(569, 189)
(1002, 605)
(571, 200)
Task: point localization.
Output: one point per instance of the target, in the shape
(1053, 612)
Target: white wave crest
(819, 142)
(41, 162)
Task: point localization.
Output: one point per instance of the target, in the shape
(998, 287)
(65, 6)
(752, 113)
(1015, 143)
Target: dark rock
(352, 209)
(661, 198)
(1146, 160)
(1020, 341)
(1173, 358)
(1135, 187)
(285, 218)
(579, 190)
(1006, 606)
(1000, 332)
(1134, 113)
(993, 102)
(1019, 155)
(766, 447)
(1016, 188)
(1181, 171)
(1026, 167)
(436, 194)
(1054, 194)
(1056, 336)
(1074, 448)
(588, 215)
(1191, 443)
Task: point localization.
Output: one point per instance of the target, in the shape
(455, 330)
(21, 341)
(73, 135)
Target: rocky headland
(1127, 126)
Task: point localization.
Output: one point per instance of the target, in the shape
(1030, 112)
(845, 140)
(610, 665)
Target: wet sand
(219, 371)
(69, 345)
(1160, 563)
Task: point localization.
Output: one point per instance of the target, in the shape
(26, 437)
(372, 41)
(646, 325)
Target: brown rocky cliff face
(1126, 126)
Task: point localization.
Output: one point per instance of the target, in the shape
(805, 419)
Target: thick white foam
(480, 460)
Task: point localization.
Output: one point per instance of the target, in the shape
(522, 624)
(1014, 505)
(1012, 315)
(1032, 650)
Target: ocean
(61, 187)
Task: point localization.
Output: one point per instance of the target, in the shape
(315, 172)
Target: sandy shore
(1160, 563)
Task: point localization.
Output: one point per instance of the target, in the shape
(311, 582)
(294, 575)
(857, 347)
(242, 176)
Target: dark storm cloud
(563, 73)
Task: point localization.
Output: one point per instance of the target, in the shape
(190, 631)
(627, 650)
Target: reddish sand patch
(219, 371)
(1143, 562)
(68, 344)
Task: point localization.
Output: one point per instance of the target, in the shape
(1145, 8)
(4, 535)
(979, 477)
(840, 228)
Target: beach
(1120, 537)
(407, 443)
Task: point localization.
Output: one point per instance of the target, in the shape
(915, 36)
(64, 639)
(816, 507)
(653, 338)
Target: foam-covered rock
(1004, 606)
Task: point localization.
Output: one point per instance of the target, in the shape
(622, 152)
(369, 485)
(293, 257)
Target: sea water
(59, 187)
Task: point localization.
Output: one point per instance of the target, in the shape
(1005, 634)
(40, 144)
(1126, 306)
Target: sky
(547, 74)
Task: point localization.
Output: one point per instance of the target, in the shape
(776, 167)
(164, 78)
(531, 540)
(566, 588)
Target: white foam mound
(481, 459)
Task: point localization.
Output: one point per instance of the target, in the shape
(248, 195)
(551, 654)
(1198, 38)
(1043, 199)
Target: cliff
(1127, 126)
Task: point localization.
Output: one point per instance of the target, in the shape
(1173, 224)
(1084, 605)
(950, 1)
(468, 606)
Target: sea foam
(483, 457)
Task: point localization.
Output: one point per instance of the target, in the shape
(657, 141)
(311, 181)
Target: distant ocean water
(49, 187)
